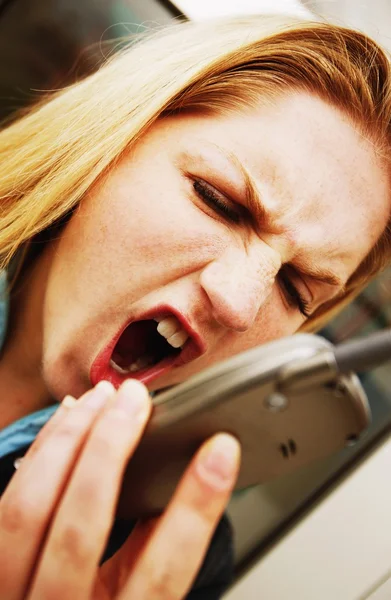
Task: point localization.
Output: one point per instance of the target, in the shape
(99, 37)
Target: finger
(80, 531)
(27, 505)
(67, 403)
(174, 553)
(115, 571)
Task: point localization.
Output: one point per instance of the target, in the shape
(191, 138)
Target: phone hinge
(301, 374)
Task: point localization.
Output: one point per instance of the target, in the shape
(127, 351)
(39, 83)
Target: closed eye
(293, 295)
(225, 207)
(217, 201)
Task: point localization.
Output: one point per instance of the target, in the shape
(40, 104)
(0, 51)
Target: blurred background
(45, 44)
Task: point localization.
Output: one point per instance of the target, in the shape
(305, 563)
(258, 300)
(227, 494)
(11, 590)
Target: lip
(194, 348)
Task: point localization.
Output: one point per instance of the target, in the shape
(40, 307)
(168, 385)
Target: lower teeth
(144, 361)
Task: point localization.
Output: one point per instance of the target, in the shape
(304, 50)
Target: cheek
(146, 238)
(139, 234)
(273, 322)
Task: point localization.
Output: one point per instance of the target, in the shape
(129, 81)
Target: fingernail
(69, 401)
(100, 394)
(219, 460)
(132, 397)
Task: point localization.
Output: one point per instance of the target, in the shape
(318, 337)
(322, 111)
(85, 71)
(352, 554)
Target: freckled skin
(143, 237)
(255, 272)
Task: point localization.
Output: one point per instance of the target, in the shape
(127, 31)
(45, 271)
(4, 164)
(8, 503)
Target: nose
(238, 282)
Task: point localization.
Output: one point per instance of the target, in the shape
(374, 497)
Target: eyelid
(215, 189)
(217, 165)
(252, 210)
(299, 278)
(292, 294)
(218, 179)
(216, 200)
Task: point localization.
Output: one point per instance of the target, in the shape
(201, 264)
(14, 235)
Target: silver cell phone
(289, 402)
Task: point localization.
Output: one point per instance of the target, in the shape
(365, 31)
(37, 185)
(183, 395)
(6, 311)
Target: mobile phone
(287, 402)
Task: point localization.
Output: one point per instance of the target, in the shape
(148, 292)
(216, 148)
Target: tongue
(133, 342)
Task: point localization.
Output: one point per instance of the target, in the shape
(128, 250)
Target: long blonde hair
(51, 156)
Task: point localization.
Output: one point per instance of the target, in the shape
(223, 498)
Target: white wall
(204, 9)
(371, 16)
(341, 551)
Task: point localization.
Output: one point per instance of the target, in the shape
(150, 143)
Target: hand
(56, 513)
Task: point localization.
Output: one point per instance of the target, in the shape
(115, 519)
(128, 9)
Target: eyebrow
(257, 208)
(253, 198)
(321, 275)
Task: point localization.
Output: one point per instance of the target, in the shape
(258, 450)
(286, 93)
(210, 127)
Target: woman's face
(227, 228)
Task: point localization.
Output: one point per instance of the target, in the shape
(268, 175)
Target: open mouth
(147, 348)
(145, 344)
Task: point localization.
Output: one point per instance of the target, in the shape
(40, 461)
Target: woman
(212, 188)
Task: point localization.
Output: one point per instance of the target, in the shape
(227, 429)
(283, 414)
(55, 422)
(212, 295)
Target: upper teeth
(171, 329)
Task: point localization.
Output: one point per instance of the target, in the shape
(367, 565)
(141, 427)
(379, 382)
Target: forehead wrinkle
(254, 198)
(306, 263)
(286, 216)
(256, 205)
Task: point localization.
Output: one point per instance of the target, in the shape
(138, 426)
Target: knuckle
(72, 547)
(37, 444)
(89, 493)
(42, 435)
(56, 589)
(105, 446)
(69, 431)
(202, 504)
(196, 527)
(164, 586)
(203, 499)
(17, 515)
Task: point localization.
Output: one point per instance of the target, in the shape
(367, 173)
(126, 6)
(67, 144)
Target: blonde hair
(53, 155)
